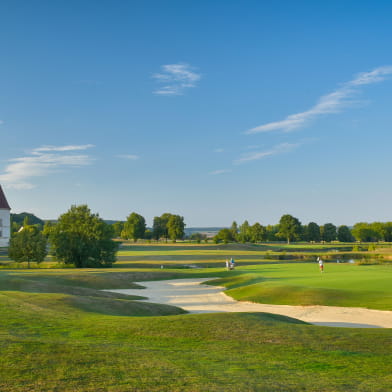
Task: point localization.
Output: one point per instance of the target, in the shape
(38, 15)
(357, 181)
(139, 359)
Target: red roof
(3, 201)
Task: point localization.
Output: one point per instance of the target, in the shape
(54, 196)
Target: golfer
(321, 264)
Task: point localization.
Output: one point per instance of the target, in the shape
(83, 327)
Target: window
(1, 233)
(1, 223)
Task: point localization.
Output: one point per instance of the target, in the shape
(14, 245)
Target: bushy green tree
(388, 231)
(118, 227)
(157, 228)
(363, 232)
(234, 231)
(244, 234)
(328, 232)
(160, 228)
(257, 232)
(28, 245)
(289, 228)
(380, 231)
(224, 235)
(175, 227)
(134, 227)
(344, 234)
(313, 232)
(271, 232)
(83, 239)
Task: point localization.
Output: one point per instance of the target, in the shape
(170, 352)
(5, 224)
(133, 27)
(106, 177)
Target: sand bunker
(195, 297)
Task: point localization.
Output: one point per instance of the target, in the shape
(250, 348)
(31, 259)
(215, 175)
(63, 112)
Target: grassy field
(60, 332)
(340, 284)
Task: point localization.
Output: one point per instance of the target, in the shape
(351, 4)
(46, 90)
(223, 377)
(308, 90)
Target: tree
(224, 235)
(118, 227)
(380, 231)
(344, 234)
(234, 230)
(388, 231)
(244, 234)
(363, 232)
(175, 227)
(159, 227)
(257, 232)
(83, 239)
(28, 245)
(134, 227)
(328, 232)
(289, 228)
(313, 232)
(148, 235)
(271, 232)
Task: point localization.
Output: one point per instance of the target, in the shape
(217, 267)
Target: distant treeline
(171, 226)
(290, 229)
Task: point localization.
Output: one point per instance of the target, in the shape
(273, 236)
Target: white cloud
(279, 149)
(131, 157)
(327, 104)
(42, 162)
(175, 78)
(218, 172)
(62, 148)
(219, 150)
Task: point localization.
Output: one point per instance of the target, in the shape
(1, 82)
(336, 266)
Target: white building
(5, 220)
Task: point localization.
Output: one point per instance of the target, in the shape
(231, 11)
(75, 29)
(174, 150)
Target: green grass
(60, 332)
(49, 344)
(302, 284)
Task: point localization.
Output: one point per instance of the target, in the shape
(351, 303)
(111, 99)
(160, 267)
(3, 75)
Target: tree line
(291, 229)
(82, 238)
(167, 226)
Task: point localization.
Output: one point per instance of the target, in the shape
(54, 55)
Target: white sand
(195, 297)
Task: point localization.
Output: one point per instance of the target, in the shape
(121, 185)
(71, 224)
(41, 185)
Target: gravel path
(195, 297)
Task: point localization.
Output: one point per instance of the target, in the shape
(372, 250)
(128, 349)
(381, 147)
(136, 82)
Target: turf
(302, 284)
(60, 332)
(48, 344)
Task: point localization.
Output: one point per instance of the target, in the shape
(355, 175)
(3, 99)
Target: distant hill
(33, 220)
(110, 222)
(208, 231)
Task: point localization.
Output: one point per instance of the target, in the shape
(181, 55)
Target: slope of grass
(48, 344)
(60, 332)
(81, 290)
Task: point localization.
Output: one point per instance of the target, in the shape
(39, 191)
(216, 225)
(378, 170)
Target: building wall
(5, 223)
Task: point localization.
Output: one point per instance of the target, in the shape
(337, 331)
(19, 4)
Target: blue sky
(214, 110)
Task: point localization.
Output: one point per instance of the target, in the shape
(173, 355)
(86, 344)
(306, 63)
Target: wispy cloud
(175, 78)
(131, 157)
(61, 148)
(219, 150)
(218, 172)
(279, 149)
(327, 104)
(41, 162)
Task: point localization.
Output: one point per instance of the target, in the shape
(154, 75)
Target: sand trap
(195, 297)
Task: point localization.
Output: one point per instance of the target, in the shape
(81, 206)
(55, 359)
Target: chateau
(5, 220)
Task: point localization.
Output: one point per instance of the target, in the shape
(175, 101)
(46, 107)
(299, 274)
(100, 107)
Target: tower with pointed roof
(5, 220)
